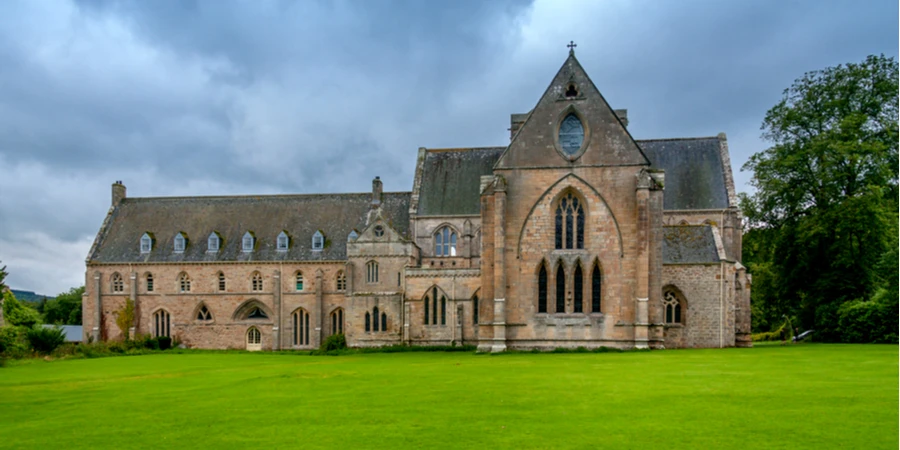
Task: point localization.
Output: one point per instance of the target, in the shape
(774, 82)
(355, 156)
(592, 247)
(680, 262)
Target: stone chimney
(623, 116)
(377, 189)
(118, 192)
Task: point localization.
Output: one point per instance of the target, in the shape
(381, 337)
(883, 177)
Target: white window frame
(180, 243)
(445, 241)
(248, 239)
(212, 243)
(318, 241)
(146, 243)
(282, 242)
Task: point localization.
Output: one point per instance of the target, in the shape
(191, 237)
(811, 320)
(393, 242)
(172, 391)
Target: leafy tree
(17, 314)
(825, 205)
(65, 309)
(3, 275)
(125, 318)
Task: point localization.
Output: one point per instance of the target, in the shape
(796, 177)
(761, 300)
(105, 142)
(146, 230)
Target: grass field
(804, 396)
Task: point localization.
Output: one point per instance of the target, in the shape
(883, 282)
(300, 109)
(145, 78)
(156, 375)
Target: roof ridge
(462, 149)
(240, 196)
(696, 138)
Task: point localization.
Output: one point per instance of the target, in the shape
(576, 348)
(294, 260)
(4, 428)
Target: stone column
(642, 291)
(98, 305)
(499, 343)
(320, 308)
(279, 319)
(137, 305)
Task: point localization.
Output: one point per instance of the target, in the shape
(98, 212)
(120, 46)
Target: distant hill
(29, 296)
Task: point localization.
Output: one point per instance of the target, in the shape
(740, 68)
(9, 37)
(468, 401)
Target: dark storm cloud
(229, 97)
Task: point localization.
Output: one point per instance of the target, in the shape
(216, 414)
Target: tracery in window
(371, 272)
(203, 314)
(435, 307)
(570, 212)
(445, 242)
(118, 284)
(672, 305)
(341, 281)
(256, 283)
(301, 327)
(184, 282)
(162, 325)
(571, 134)
(379, 231)
(180, 243)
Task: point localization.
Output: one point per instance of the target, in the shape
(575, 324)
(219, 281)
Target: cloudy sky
(243, 97)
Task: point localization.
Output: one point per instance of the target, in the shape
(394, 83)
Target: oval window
(571, 134)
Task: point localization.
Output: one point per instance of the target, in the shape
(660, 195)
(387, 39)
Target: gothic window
(337, 321)
(162, 324)
(371, 272)
(318, 241)
(435, 307)
(578, 290)
(213, 242)
(445, 242)
(571, 90)
(221, 282)
(443, 310)
(379, 231)
(146, 243)
(281, 242)
(203, 314)
(596, 289)
(298, 281)
(475, 310)
(571, 134)
(254, 339)
(149, 282)
(184, 283)
(672, 304)
(571, 212)
(368, 322)
(542, 289)
(256, 283)
(375, 319)
(383, 321)
(118, 284)
(341, 281)
(180, 243)
(257, 313)
(560, 290)
(301, 327)
(248, 242)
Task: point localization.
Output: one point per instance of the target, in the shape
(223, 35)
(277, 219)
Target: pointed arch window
(578, 289)
(560, 289)
(256, 283)
(571, 134)
(203, 314)
(213, 242)
(146, 243)
(248, 242)
(257, 313)
(282, 242)
(318, 241)
(298, 281)
(118, 284)
(445, 242)
(375, 319)
(569, 223)
(337, 321)
(435, 307)
(162, 325)
(475, 309)
(596, 288)
(180, 243)
(542, 289)
(184, 282)
(149, 280)
(221, 282)
(301, 327)
(673, 309)
(341, 281)
(372, 272)
(368, 322)
(383, 321)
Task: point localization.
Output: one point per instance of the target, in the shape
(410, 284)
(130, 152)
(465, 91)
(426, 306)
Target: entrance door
(254, 340)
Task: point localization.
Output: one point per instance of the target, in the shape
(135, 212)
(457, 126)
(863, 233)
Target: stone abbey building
(575, 234)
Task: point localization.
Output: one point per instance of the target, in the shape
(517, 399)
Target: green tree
(826, 192)
(17, 314)
(65, 309)
(3, 275)
(125, 318)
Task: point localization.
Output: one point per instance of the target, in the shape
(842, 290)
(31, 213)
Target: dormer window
(318, 241)
(352, 236)
(146, 243)
(180, 243)
(248, 242)
(213, 242)
(282, 242)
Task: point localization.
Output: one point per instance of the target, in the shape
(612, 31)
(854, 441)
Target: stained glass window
(571, 134)
(572, 236)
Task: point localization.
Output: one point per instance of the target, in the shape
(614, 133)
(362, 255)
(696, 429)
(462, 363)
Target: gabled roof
(689, 244)
(695, 172)
(451, 180)
(232, 216)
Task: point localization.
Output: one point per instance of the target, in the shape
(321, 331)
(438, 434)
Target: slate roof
(231, 216)
(451, 180)
(72, 333)
(689, 244)
(695, 177)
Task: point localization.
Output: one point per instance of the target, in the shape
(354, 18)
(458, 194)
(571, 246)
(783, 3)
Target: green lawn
(803, 396)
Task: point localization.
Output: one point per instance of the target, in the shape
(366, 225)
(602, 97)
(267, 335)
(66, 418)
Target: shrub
(13, 343)
(868, 322)
(334, 342)
(165, 342)
(45, 339)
